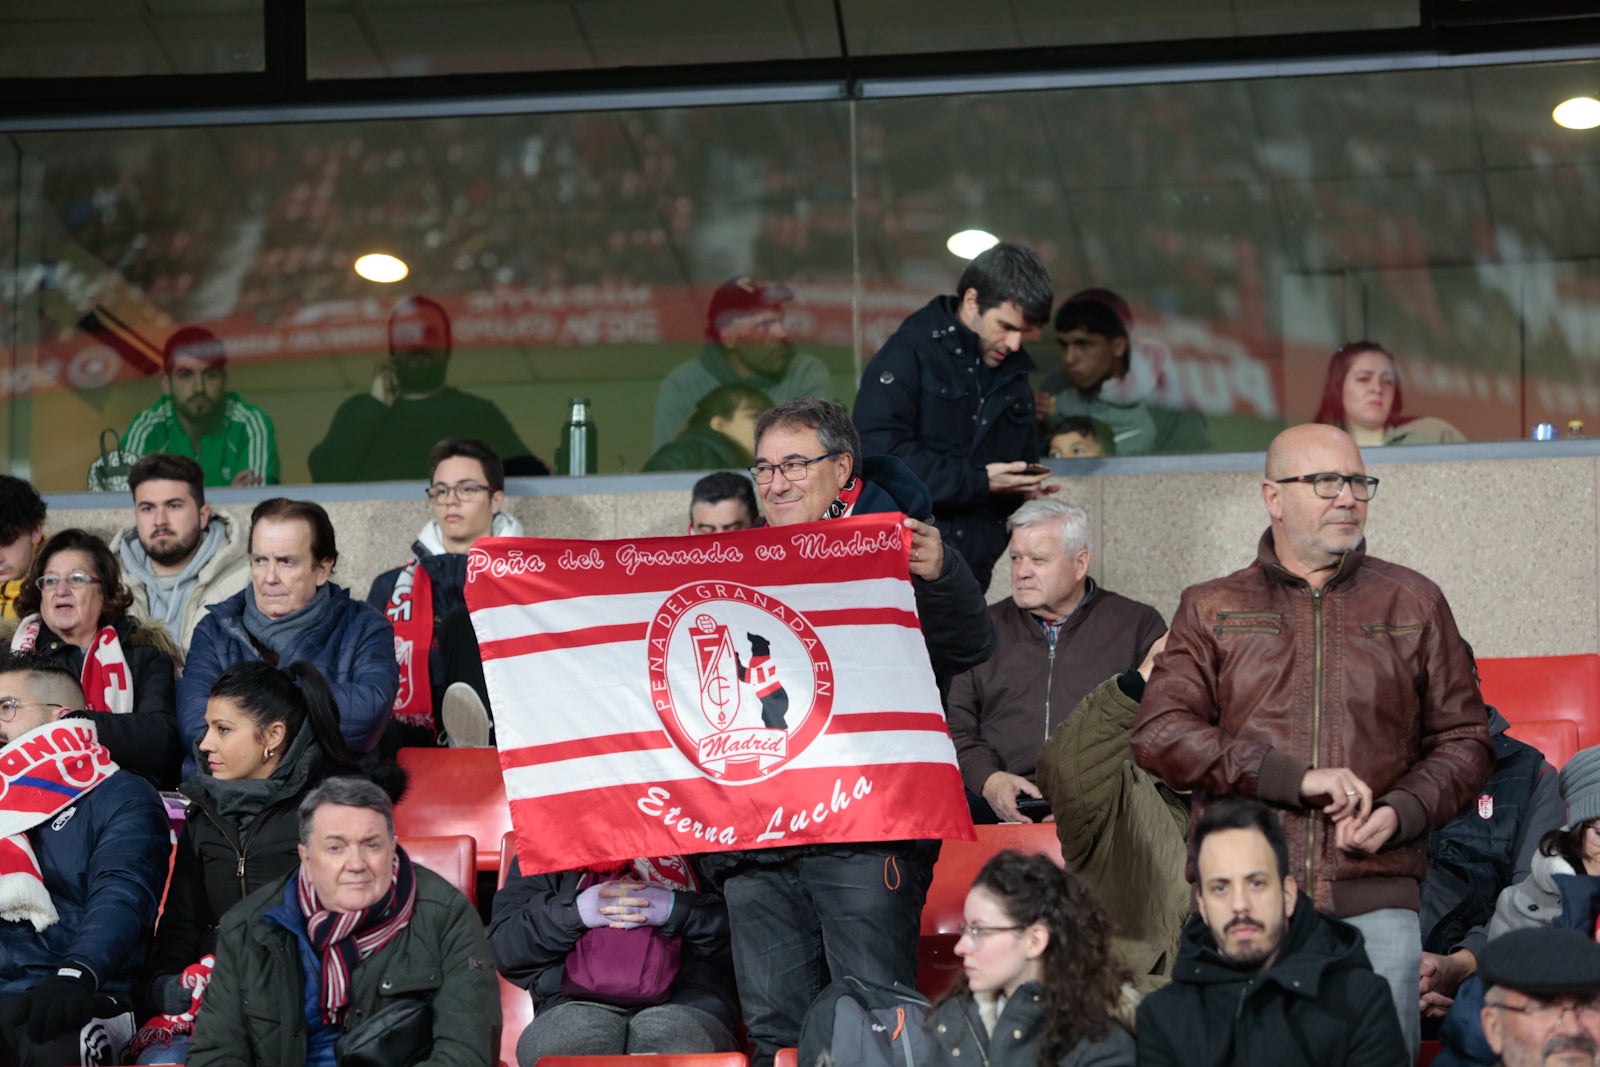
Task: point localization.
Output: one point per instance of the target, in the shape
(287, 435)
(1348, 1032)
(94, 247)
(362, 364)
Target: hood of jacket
(233, 546)
(890, 486)
(430, 539)
(1313, 947)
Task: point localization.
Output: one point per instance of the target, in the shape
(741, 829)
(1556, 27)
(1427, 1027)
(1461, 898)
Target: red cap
(740, 296)
(418, 322)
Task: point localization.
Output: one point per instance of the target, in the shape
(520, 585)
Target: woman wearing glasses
(1040, 986)
(290, 611)
(1361, 395)
(74, 611)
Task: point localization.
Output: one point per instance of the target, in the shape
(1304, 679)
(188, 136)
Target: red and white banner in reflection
(698, 694)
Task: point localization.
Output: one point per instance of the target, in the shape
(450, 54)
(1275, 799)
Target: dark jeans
(800, 923)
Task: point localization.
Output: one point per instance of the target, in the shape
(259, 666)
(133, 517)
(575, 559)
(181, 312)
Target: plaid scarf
(344, 938)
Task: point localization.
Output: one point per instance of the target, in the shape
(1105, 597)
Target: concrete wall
(1511, 532)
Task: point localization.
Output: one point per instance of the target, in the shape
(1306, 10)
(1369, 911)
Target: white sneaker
(466, 720)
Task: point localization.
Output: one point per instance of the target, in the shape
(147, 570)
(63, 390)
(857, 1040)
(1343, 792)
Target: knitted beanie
(1580, 786)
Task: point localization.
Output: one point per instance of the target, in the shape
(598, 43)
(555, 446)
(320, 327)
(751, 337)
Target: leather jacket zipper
(1316, 725)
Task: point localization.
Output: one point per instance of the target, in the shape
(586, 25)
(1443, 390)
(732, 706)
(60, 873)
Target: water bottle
(579, 447)
(1545, 431)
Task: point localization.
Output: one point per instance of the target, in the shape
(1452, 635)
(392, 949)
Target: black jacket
(927, 399)
(1319, 1004)
(145, 740)
(535, 924)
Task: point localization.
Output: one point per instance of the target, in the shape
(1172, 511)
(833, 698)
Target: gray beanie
(1580, 786)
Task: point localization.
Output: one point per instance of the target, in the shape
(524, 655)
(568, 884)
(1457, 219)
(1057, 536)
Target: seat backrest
(787, 1057)
(453, 858)
(1546, 687)
(1556, 738)
(960, 861)
(516, 1012)
(455, 791)
(677, 1059)
(508, 853)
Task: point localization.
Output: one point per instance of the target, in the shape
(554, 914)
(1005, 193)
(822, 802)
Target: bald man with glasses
(1334, 686)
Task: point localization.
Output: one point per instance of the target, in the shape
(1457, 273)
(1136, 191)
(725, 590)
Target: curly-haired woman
(1041, 987)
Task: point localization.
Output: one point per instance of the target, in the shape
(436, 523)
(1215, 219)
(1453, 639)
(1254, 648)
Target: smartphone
(1036, 468)
(1035, 808)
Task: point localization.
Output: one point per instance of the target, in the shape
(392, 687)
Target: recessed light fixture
(969, 243)
(381, 267)
(1579, 113)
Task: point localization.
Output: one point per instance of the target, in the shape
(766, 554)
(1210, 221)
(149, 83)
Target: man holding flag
(83, 858)
(802, 915)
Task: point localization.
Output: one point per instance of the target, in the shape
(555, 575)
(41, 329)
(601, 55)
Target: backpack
(865, 1024)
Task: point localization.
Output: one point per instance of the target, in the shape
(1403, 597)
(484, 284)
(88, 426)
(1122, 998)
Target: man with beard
(386, 435)
(1543, 1001)
(232, 440)
(178, 557)
(1261, 977)
(746, 344)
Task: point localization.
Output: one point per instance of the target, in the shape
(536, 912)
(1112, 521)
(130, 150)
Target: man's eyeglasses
(466, 492)
(973, 932)
(794, 470)
(77, 580)
(1550, 1011)
(9, 706)
(1329, 485)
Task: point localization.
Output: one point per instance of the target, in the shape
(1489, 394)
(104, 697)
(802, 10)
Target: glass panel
(889, 27)
(105, 38)
(390, 38)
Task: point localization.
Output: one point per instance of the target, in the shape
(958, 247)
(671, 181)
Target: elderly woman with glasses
(73, 610)
(1361, 395)
(1039, 983)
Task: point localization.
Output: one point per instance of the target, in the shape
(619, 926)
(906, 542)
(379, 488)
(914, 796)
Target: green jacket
(241, 439)
(254, 1010)
(1121, 828)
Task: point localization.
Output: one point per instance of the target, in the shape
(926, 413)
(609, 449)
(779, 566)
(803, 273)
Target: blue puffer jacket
(354, 650)
(104, 861)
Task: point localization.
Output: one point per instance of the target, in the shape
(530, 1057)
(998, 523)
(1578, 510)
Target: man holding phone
(948, 395)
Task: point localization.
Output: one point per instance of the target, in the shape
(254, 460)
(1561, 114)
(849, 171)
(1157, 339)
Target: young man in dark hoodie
(1261, 977)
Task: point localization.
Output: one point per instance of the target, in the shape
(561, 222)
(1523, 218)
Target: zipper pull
(240, 872)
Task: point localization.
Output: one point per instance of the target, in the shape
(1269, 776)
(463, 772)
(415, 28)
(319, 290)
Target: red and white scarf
(43, 772)
(106, 677)
(161, 1029)
(343, 939)
(410, 609)
(669, 872)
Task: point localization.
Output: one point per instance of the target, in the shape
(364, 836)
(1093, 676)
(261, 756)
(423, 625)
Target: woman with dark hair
(271, 736)
(1361, 395)
(73, 610)
(291, 610)
(1040, 986)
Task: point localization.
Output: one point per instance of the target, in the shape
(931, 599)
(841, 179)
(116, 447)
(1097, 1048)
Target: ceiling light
(1579, 113)
(969, 243)
(381, 267)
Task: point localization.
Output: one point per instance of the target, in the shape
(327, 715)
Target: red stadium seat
(679, 1059)
(787, 1057)
(1546, 687)
(508, 852)
(516, 1012)
(455, 791)
(1556, 738)
(1430, 1049)
(452, 858)
(959, 863)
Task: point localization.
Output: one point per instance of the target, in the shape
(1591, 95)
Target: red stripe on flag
(868, 722)
(604, 745)
(863, 617)
(590, 635)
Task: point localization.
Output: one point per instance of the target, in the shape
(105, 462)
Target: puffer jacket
(104, 860)
(1264, 678)
(535, 926)
(1119, 827)
(1318, 1005)
(144, 740)
(354, 650)
(927, 399)
(255, 1006)
(956, 1026)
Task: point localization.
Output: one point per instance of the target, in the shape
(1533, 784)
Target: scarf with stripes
(342, 939)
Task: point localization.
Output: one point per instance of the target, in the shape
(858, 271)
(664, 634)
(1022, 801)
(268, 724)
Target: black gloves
(61, 1003)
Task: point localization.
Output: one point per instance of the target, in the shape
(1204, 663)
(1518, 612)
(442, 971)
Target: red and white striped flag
(697, 694)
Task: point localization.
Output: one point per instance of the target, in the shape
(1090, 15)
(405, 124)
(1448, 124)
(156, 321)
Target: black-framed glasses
(794, 470)
(466, 492)
(974, 932)
(77, 581)
(9, 706)
(1329, 484)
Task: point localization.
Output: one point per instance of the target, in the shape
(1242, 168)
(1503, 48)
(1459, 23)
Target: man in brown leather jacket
(1334, 686)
